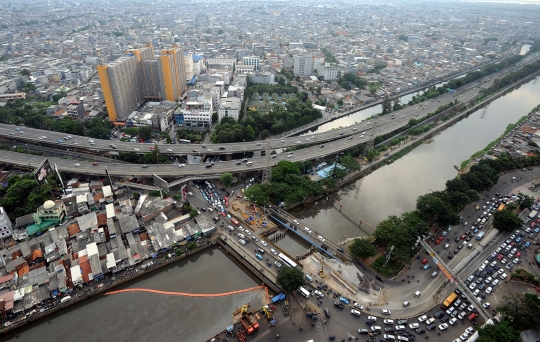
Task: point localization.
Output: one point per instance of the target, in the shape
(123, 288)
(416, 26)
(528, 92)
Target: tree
(523, 310)
(145, 132)
(257, 193)
(191, 246)
(220, 32)
(193, 212)
(397, 105)
(386, 105)
(154, 193)
(226, 179)
(340, 102)
(25, 72)
(290, 278)
(502, 332)
(526, 201)
(362, 248)
(506, 220)
(349, 163)
(265, 134)
(215, 117)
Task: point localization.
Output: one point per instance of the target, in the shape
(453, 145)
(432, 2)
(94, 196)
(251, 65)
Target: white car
(443, 326)
(181, 165)
(414, 326)
(422, 318)
(389, 321)
(476, 292)
(500, 271)
(453, 321)
(385, 312)
(321, 238)
(503, 276)
(503, 261)
(307, 230)
(516, 261)
(472, 286)
(242, 242)
(136, 149)
(169, 150)
(464, 337)
(488, 280)
(406, 303)
(495, 282)
(469, 330)
(358, 306)
(77, 164)
(273, 251)
(264, 243)
(486, 305)
(489, 290)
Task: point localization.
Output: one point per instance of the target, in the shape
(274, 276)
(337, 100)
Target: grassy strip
(389, 270)
(509, 128)
(403, 152)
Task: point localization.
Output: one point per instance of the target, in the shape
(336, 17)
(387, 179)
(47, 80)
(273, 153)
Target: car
(426, 266)
(472, 286)
(452, 321)
(504, 261)
(339, 305)
(462, 315)
(388, 321)
(358, 306)
(420, 331)
(495, 282)
(449, 311)
(385, 312)
(501, 271)
(402, 321)
(77, 164)
(488, 280)
(414, 326)
(431, 327)
(444, 319)
(481, 287)
(344, 300)
(259, 256)
(503, 276)
(406, 303)
(500, 257)
(476, 292)
(438, 314)
(264, 243)
(424, 261)
(372, 318)
(486, 305)
(422, 318)
(443, 326)
(273, 251)
(489, 290)
(464, 337)
(469, 330)
(463, 237)
(516, 261)
(95, 163)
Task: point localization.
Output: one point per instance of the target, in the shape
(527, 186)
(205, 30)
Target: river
(393, 189)
(143, 316)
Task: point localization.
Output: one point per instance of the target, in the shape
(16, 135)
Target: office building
(6, 228)
(252, 60)
(303, 65)
(172, 74)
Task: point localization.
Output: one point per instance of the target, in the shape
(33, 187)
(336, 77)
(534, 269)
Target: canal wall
(92, 292)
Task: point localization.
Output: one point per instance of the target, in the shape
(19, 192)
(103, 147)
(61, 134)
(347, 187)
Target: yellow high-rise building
(130, 80)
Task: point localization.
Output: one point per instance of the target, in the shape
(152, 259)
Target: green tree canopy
(523, 310)
(193, 212)
(226, 179)
(506, 221)
(145, 132)
(362, 248)
(502, 332)
(290, 278)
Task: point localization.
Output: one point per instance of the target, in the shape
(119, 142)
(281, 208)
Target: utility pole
(267, 171)
(388, 255)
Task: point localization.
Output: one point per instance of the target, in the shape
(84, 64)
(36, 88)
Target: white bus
(303, 292)
(533, 214)
(286, 260)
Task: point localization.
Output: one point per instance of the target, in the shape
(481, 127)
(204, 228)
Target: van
(65, 299)
(249, 163)
(417, 294)
(363, 331)
(309, 278)
(318, 294)
(355, 312)
(434, 274)
(389, 337)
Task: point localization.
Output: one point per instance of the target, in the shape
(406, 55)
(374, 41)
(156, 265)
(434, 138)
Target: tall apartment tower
(139, 76)
(172, 73)
(121, 85)
(303, 65)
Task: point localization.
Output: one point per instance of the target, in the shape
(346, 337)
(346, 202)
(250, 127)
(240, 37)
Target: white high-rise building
(303, 65)
(328, 71)
(6, 229)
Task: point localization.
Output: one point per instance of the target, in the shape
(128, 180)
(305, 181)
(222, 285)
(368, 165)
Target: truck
(253, 321)
(235, 222)
(247, 325)
(480, 236)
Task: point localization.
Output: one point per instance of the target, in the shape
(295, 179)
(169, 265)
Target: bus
(449, 300)
(303, 292)
(533, 214)
(183, 141)
(286, 260)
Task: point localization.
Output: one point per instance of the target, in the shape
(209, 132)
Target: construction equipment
(247, 325)
(243, 310)
(253, 321)
(321, 272)
(266, 311)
